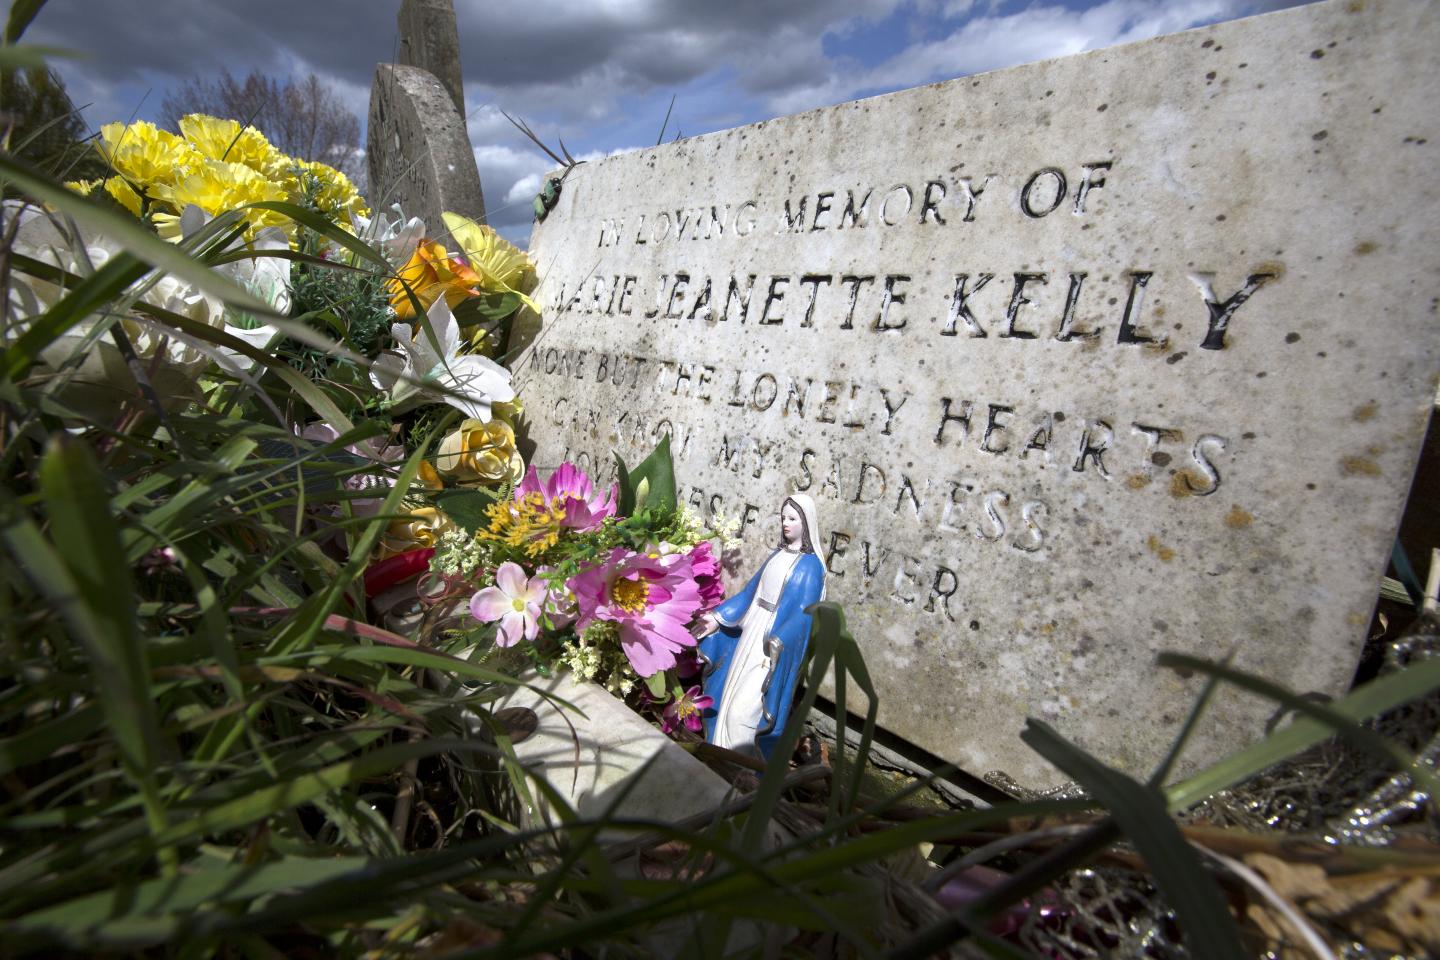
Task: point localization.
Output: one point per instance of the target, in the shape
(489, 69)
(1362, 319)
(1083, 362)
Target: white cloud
(992, 42)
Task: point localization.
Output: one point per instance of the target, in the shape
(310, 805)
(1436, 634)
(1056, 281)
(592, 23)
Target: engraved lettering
(1018, 300)
(960, 305)
(1059, 196)
(1220, 313)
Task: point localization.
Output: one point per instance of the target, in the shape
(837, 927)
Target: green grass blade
(22, 12)
(146, 914)
(1208, 930)
(85, 300)
(88, 541)
(1316, 723)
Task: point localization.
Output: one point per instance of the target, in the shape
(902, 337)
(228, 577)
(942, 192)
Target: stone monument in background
(417, 145)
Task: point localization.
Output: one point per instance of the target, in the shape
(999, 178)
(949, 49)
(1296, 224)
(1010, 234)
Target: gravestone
(1082, 360)
(430, 40)
(418, 150)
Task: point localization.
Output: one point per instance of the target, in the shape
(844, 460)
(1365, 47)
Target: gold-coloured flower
(430, 274)
(217, 186)
(481, 453)
(226, 140)
(146, 155)
(501, 267)
(422, 528)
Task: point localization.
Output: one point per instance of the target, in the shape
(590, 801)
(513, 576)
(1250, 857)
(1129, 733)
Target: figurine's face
(791, 525)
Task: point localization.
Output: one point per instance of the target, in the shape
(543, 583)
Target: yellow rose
(430, 274)
(481, 453)
(422, 528)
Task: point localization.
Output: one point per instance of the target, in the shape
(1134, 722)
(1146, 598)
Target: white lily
(395, 237)
(467, 381)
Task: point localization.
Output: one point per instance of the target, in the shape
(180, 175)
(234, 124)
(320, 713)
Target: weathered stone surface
(592, 752)
(419, 153)
(1126, 352)
(429, 40)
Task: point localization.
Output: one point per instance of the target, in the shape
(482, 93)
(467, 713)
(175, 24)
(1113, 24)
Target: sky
(599, 74)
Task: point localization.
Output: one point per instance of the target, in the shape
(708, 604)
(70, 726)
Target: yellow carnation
(217, 186)
(333, 192)
(124, 194)
(146, 155)
(83, 187)
(501, 266)
(226, 140)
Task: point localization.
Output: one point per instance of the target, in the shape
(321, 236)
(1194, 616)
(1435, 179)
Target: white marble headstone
(1084, 360)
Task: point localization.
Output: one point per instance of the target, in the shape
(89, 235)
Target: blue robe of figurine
(804, 586)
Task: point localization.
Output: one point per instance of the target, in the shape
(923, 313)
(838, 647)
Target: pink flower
(706, 567)
(685, 710)
(650, 598)
(570, 486)
(514, 600)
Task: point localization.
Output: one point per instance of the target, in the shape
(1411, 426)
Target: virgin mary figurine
(754, 643)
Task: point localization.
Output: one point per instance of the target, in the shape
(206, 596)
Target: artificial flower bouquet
(603, 582)
(394, 322)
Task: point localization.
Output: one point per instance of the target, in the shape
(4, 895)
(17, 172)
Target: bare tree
(303, 117)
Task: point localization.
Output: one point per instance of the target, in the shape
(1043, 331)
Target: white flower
(395, 237)
(466, 381)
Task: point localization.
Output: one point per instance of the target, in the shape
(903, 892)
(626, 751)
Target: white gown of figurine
(740, 707)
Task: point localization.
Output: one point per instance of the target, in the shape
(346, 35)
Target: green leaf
(657, 685)
(147, 913)
(41, 741)
(305, 787)
(323, 226)
(655, 474)
(1208, 929)
(26, 56)
(487, 308)
(1318, 721)
(22, 12)
(466, 507)
(89, 545)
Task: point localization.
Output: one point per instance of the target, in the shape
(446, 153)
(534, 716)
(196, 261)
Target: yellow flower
(226, 140)
(481, 453)
(217, 186)
(528, 522)
(124, 194)
(83, 187)
(146, 155)
(422, 528)
(430, 274)
(501, 266)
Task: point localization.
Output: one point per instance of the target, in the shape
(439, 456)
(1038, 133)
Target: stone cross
(417, 145)
(429, 40)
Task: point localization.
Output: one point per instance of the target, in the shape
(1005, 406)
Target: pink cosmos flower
(584, 509)
(686, 711)
(706, 567)
(651, 598)
(515, 601)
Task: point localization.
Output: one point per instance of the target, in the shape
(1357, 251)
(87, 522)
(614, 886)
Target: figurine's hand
(704, 626)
